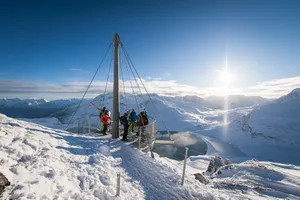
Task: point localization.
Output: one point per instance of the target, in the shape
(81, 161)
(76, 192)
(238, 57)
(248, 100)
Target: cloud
(81, 71)
(275, 88)
(269, 89)
(184, 139)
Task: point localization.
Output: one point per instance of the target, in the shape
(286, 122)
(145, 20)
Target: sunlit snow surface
(43, 163)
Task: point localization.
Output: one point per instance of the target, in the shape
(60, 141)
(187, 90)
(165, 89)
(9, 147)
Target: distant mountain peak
(296, 91)
(294, 94)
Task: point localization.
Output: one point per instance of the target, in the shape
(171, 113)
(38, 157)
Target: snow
(44, 163)
(263, 178)
(50, 122)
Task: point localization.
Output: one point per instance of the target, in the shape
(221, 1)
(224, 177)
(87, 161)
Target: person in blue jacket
(133, 119)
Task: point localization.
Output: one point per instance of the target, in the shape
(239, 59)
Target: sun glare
(225, 77)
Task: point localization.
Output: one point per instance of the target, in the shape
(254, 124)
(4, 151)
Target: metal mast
(116, 94)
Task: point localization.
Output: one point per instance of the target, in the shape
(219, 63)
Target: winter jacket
(125, 121)
(105, 119)
(133, 116)
(142, 120)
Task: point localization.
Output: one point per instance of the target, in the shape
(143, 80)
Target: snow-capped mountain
(292, 96)
(33, 108)
(271, 131)
(176, 112)
(16, 102)
(173, 113)
(236, 101)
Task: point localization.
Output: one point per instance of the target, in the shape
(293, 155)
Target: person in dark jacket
(125, 123)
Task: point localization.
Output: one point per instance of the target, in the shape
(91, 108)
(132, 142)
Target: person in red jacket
(105, 119)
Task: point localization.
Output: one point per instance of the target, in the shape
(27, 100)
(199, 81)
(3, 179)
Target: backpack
(122, 119)
(144, 120)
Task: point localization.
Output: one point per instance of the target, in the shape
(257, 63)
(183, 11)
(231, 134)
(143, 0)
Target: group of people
(129, 120)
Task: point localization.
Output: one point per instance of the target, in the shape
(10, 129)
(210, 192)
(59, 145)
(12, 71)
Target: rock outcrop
(3, 183)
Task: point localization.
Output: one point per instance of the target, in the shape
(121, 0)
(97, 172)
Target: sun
(225, 77)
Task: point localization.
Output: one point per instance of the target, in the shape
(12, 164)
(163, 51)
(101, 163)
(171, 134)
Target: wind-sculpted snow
(43, 163)
(267, 179)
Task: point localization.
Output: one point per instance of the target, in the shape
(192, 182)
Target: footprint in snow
(105, 180)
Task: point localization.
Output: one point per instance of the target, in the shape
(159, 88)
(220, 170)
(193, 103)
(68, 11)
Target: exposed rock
(214, 166)
(3, 183)
(215, 163)
(201, 178)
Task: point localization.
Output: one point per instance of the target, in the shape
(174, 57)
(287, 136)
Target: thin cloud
(268, 89)
(275, 88)
(81, 71)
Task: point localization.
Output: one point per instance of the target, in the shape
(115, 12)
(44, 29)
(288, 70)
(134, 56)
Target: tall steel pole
(116, 96)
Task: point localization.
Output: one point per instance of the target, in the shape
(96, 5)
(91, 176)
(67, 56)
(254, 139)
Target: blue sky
(60, 42)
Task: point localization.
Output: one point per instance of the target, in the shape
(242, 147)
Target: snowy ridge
(293, 95)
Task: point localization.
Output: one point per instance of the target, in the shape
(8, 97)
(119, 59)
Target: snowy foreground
(43, 163)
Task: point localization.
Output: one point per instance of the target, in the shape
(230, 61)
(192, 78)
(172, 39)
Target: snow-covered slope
(43, 163)
(270, 132)
(50, 122)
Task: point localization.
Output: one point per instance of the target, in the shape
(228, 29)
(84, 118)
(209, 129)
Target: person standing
(133, 119)
(142, 122)
(105, 119)
(101, 112)
(125, 123)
